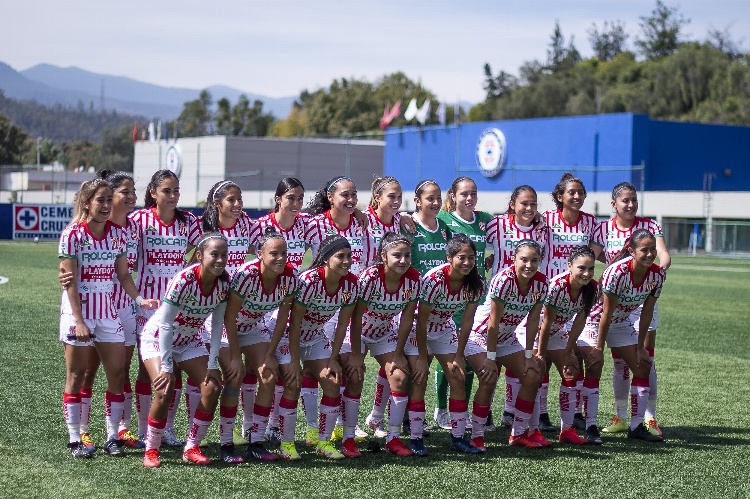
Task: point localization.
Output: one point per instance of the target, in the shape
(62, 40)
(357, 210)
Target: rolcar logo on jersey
(575, 238)
(295, 245)
(252, 305)
(95, 256)
(244, 242)
(166, 241)
(633, 299)
(394, 307)
(520, 307)
(431, 246)
(203, 311)
(478, 238)
(616, 243)
(326, 308)
(355, 241)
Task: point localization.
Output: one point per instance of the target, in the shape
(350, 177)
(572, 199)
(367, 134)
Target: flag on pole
(389, 115)
(423, 113)
(135, 132)
(158, 130)
(456, 111)
(143, 131)
(175, 130)
(411, 110)
(441, 113)
(151, 132)
(166, 132)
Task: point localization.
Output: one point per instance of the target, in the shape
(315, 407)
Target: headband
(385, 181)
(424, 183)
(210, 236)
(336, 181)
(331, 245)
(395, 242)
(222, 185)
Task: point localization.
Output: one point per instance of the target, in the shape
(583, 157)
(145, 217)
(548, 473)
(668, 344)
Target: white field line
(712, 269)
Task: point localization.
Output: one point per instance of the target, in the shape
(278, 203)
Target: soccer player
(326, 288)
(94, 250)
(446, 289)
(567, 227)
(609, 238)
(631, 279)
(165, 234)
(432, 234)
(172, 336)
(459, 215)
(514, 293)
(571, 294)
(258, 288)
(381, 323)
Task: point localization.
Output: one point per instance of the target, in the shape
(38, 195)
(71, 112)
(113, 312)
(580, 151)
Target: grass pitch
(703, 362)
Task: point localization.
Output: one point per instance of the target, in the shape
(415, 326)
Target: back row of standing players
(361, 273)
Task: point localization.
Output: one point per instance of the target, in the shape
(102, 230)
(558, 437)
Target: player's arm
(126, 281)
(550, 313)
(406, 322)
(571, 365)
(423, 313)
(282, 320)
(532, 328)
(234, 304)
(647, 313)
(356, 359)
(662, 253)
(82, 331)
(294, 373)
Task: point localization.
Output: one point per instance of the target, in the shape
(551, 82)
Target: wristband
(492, 355)
(528, 354)
(138, 300)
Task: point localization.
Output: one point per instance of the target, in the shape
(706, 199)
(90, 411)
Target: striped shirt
(563, 238)
(376, 229)
(161, 249)
(294, 236)
(559, 297)
(384, 307)
(612, 239)
(504, 288)
(185, 291)
(504, 234)
(436, 293)
(321, 305)
(321, 226)
(617, 280)
(132, 236)
(247, 283)
(95, 263)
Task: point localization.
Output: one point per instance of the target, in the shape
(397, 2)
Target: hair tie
(331, 245)
(210, 236)
(336, 181)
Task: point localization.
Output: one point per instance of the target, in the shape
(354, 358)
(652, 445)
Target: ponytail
(449, 204)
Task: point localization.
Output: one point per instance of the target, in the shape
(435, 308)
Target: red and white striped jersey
(185, 291)
(559, 297)
(321, 226)
(503, 233)
(161, 249)
(505, 289)
(257, 301)
(294, 237)
(132, 236)
(320, 304)
(95, 262)
(238, 242)
(436, 293)
(376, 229)
(562, 238)
(612, 239)
(617, 280)
(383, 307)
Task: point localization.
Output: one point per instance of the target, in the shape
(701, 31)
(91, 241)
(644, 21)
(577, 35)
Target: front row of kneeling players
(377, 311)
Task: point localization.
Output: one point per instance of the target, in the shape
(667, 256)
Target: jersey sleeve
(498, 288)
(175, 288)
(429, 290)
(611, 281)
(239, 281)
(551, 299)
(655, 228)
(68, 247)
(492, 227)
(312, 235)
(599, 237)
(305, 290)
(194, 229)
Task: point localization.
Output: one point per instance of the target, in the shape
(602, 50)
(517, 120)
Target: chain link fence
(697, 236)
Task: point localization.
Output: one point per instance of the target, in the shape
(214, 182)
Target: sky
(280, 48)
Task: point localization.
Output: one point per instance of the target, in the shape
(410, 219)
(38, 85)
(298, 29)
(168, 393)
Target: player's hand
(65, 278)
(595, 357)
(163, 381)
(150, 304)
(83, 333)
(355, 368)
(489, 260)
(407, 223)
(571, 366)
(420, 371)
(293, 375)
(642, 356)
(398, 361)
(234, 372)
(333, 370)
(488, 372)
(269, 367)
(212, 375)
(458, 367)
(532, 364)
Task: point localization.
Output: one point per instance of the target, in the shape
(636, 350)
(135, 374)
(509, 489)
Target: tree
(196, 118)
(559, 57)
(610, 42)
(495, 86)
(223, 118)
(116, 151)
(660, 31)
(12, 142)
(724, 41)
(250, 121)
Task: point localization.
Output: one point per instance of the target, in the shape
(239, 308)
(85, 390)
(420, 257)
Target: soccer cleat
(256, 451)
(228, 454)
(640, 432)
(195, 456)
(478, 442)
(406, 427)
(78, 450)
(325, 448)
(579, 422)
(151, 458)
(338, 433)
(592, 435)
(536, 436)
(88, 443)
(273, 436)
(130, 439)
(425, 429)
(349, 448)
(397, 447)
(113, 447)
(569, 436)
(523, 440)
(311, 437)
(652, 427)
(376, 425)
(288, 452)
(461, 445)
(545, 424)
(170, 438)
(443, 419)
(490, 425)
(417, 447)
(507, 419)
(360, 435)
(238, 438)
(616, 425)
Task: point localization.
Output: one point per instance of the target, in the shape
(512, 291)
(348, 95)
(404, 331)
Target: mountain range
(50, 85)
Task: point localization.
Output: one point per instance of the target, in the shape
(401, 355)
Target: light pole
(38, 152)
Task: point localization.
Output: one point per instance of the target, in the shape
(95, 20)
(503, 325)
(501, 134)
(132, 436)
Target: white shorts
(283, 354)
(619, 335)
(556, 341)
(129, 323)
(319, 349)
(150, 350)
(141, 318)
(258, 334)
(635, 318)
(446, 343)
(384, 345)
(103, 330)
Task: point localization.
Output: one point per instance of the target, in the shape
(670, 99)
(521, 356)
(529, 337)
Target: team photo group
(443, 298)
